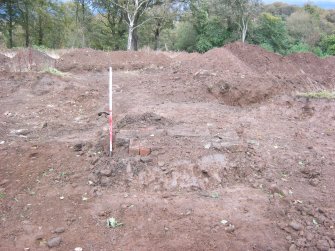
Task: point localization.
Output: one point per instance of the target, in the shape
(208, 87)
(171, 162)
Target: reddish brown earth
(237, 161)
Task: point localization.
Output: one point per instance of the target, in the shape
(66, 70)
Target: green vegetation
(166, 25)
(318, 95)
(53, 71)
(271, 33)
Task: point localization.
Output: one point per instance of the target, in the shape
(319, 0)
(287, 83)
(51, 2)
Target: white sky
(328, 4)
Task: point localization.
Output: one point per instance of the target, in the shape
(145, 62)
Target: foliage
(193, 25)
(271, 33)
(299, 47)
(267, 47)
(210, 32)
(304, 27)
(318, 95)
(212, 35)
(283, 10)
(328, 44)
(53, 71)
(186, 37)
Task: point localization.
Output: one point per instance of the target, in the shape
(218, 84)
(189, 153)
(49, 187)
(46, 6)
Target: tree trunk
(156, 45)
(83, 9)
(132, 38)
(40, 31)
(244, 34)
(130, 45)
(135, 40)
(244, 29)
(27, 32)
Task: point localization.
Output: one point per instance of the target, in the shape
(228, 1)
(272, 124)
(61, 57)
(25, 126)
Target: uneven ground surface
(237, 160)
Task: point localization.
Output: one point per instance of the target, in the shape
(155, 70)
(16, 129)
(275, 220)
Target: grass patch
(2, 195)
(53, 71)
(318, 95)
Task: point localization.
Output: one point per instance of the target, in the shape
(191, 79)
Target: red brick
(144, 151)
(134, 147)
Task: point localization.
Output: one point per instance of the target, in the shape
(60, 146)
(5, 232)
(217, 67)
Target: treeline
(190, 25)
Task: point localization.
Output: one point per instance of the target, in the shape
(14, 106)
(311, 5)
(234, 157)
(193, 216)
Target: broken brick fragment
(134, 147)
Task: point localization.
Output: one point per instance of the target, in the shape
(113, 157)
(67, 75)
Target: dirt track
(229, 141)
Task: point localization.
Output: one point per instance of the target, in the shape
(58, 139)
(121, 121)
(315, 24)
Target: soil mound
(260, 60)
(93, 60)
(241, 74)
(218, 60)
(317, 69)
(30, 59)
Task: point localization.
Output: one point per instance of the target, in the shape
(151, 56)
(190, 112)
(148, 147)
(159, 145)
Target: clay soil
(232, 158)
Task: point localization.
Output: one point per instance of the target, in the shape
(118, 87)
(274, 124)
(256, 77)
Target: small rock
(78, 249)
(120, 142)
(275, 189)
(78, 147)
(59, 230)
(45, 125)
(22, 132)
(161, 163)
(295, 225)
(105, 181)
(8, 114)
(207, 146)
(94, 178)
(314, 182)
(39, 237)
(106, 172)
(293, 248)
(3, 182)
(103, 213)
(309, 236)
(54, 242)
(322, 245)
(230, 228)
(146, 159)
(301, 242)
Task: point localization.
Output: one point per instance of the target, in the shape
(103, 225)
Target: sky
(326, 4)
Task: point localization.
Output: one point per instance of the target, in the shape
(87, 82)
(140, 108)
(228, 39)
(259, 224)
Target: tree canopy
(190, 25)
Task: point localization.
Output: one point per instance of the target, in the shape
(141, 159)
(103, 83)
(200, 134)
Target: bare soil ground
(230, 158)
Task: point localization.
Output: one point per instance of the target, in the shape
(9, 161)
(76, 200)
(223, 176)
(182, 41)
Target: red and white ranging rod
(110, 111)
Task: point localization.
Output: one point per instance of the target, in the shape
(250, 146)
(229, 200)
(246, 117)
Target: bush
(211, 35)
(271, 32)
(267, 47)
(186, 37)
(328, 44)
(318, 95)
(300, 47)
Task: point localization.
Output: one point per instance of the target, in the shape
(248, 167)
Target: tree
(133, 10)
(210, 31)
(186, 36)
(304, 27)
(271, 33)
(9, 14)
(161, 17)
(283, 10)
(328, 44)
(244, 12)
(112, 17)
